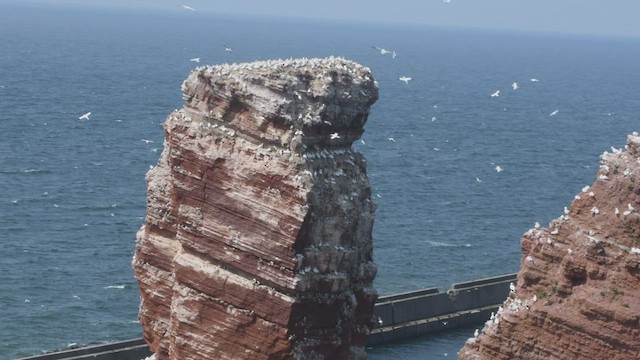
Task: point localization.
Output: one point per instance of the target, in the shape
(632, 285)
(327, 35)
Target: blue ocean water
(73, 192)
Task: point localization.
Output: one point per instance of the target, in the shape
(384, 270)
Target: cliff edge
(257, 241)
(578, 287)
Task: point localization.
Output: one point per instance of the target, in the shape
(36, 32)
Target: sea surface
(72, 192)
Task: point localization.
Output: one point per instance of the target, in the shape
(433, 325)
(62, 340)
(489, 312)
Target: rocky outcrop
(257, 241)
(578, 288)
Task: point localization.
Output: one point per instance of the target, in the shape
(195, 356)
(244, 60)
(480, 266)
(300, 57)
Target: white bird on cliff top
(405, 79)
(496, 94)
(186, 7)
(195, 60)
(512, 287)
(85, 116)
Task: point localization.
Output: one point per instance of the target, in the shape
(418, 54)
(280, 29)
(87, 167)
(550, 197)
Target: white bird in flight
(85, 116)
(499, 168)
(405, 79)
(186, 7)
(228, 49)
(514, 85)
(534, 80)
(496, 94)
(554, 112)
(335, 136)
(385, 52)
(195, 60)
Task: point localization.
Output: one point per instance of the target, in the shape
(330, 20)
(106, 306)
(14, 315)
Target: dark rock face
(578, 290)
(257, 242)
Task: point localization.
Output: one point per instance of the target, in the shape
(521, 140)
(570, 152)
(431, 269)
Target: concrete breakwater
(398, 316)
(415, 313)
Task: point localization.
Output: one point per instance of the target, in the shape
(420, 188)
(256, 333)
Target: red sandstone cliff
(578, 290)
(257, 240)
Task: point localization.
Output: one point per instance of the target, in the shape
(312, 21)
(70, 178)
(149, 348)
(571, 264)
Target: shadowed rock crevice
(257, 242)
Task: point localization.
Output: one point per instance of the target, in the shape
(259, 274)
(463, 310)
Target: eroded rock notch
(257, 241)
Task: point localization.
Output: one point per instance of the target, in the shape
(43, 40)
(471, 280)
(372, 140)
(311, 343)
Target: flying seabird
(496, 94)
(228, 49)
(554, 112)
(335, 136)
(499, 168)
(385, 52)
(534, 80)
(195, 60)
(186, 7)
(405, 79)
(514, 85)
(85, 116)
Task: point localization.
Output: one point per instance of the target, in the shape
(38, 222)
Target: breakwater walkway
(398, 316)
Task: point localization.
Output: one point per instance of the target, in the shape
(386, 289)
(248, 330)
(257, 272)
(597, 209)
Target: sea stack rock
(578, 289)
(257, 241)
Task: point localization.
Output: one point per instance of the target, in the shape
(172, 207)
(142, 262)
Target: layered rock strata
(578, 290)
(257, 241)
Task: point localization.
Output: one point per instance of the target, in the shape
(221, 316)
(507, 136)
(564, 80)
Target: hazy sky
(605, 17)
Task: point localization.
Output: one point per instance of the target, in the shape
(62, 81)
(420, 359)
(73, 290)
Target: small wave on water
(444, 244)
(25, 171)
(115, 287)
